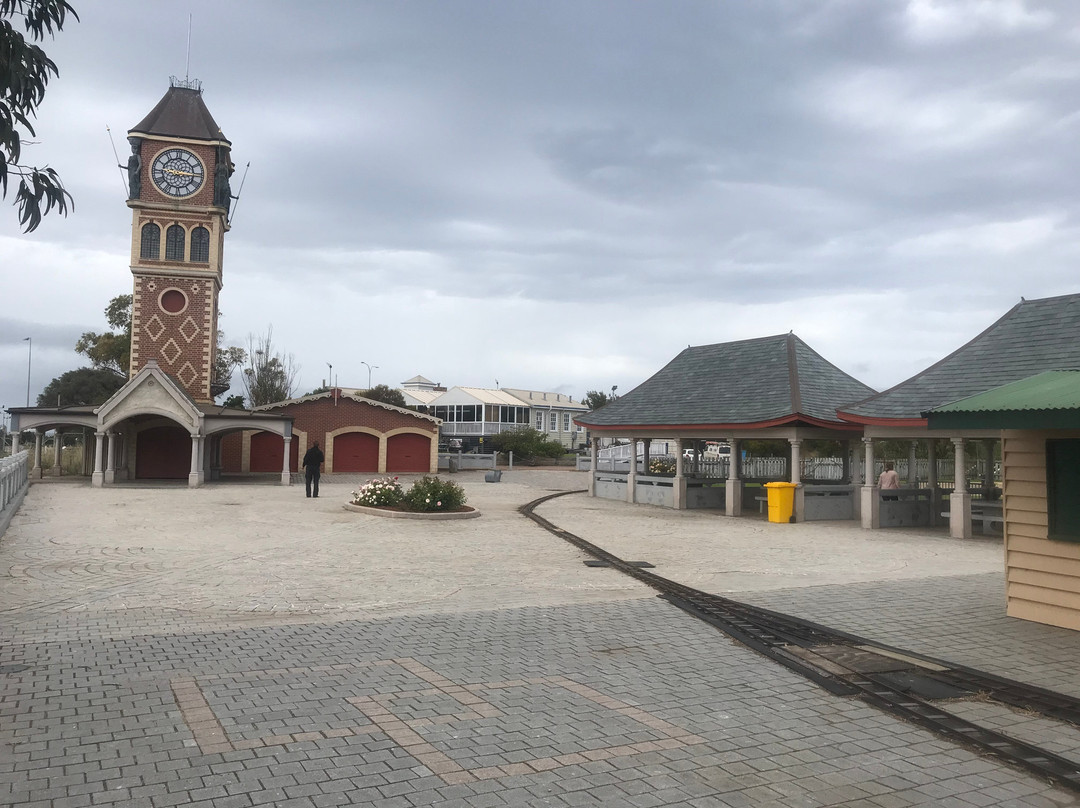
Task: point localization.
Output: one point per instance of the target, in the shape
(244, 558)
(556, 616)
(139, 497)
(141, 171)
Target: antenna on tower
(123, 182)
(187, 61)
(239, 190)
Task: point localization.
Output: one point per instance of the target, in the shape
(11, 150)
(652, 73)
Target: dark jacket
(313, 458)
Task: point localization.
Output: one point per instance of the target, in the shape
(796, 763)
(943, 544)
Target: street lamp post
(29, 357)
(369, 369)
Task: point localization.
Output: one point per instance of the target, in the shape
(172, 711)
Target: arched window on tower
(151, 242)
(200, 245)
(174, 243)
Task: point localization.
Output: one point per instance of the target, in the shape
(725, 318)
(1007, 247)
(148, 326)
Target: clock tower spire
(179, 195)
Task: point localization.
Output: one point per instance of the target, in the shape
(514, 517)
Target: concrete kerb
(430, 515)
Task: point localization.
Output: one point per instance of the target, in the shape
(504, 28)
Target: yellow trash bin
(781, 501)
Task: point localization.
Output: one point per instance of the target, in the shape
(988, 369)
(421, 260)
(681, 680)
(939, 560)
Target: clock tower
(178, 192)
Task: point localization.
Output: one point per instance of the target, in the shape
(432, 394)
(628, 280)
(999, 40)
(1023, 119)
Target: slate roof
(1033, 336)
(180, 113)
(756, 382)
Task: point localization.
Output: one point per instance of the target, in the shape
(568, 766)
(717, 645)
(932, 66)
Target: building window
(174, 243)
(566, 422)
(151, 242)
(539, 422)
(1062, 483)
(173, 301)
(553, 422)
(200, 245)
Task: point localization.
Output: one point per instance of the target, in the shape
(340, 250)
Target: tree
(594, 399)
(527, 443)
(24, 74)
(269, 376)
(111, 350)
(80, 386)
(226, 360)
(385, 394)
(235, 402)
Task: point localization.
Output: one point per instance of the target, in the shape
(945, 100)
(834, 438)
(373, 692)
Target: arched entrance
(163, 453)
(408, 452)
(356, 451)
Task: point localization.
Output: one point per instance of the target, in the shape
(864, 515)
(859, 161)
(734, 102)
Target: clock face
(177, 173)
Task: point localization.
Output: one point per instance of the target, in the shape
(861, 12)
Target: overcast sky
(563, 195)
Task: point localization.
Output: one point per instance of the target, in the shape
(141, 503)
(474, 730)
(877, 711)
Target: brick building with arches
(357, 435)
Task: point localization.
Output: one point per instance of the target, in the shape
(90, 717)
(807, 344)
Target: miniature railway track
(903, 683)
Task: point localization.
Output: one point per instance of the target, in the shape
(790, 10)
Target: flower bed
(428, 497)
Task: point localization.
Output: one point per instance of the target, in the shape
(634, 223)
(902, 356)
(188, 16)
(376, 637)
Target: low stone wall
(14, 480)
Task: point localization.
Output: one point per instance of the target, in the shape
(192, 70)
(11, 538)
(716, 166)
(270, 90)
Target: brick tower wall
(183, 342)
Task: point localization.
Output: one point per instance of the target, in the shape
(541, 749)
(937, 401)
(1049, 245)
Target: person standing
(889, 480)
(313, 459)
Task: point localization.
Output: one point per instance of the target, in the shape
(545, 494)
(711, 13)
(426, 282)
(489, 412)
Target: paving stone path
(240, 646)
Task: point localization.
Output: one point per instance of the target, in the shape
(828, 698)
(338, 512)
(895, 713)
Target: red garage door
(408, 452)
(163, 453)
(356, 451)
(267, 449)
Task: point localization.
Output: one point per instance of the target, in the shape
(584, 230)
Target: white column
(594, 457)
(932, 482)
(799, 505)
(15, 443)
(286, 471)
(35, 472)
(110, 457)
(733, 487)
(678, 486)
(97, 479)
(193, 472)
(854, 476)
(869, 507)
(960, 499)
(631, 478)
(58, 453)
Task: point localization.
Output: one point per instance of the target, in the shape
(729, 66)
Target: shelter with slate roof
(1039, 419)
(1032, 337)
(773, 387)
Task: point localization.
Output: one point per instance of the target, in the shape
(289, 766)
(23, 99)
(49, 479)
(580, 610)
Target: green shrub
(433, 494)
(526, 443)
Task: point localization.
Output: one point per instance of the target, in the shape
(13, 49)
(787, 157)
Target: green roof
(754, 382)
(1049, 400)
(1033, 336)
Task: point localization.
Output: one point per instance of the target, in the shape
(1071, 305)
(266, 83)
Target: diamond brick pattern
(189, 329)
(154, 328)
(170, 351)
(187, 374)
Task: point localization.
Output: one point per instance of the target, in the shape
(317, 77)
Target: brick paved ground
(232, 646)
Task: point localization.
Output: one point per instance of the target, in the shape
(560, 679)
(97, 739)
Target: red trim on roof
(787, 419)
(863, 420)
